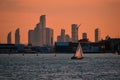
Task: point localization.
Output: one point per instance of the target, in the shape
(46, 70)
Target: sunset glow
(60, 14)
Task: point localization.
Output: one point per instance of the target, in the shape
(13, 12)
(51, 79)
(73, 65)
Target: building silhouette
(31, 37)
(40, 32)
(42, 29)
(59, 39)
(17, 36)
(41, 35)
(37, 35)
(97, 35)
(49, 37)
(67, 38)
(9, 38)
(74, 29)
(63, 37)
(84, 36)
(43, 21)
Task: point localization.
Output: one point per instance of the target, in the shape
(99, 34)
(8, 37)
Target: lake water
(61, 67)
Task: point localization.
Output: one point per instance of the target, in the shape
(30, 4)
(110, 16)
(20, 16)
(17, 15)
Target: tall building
(67, 38)
(43, 21)
(38, 35)
(97, 35)
(49, 37)
(43, 29)
(59, 39)
(62, 35)
(74, 32)
(9, 38)
(31, 37)
(84, 36)
(41, 33)
(17, 36)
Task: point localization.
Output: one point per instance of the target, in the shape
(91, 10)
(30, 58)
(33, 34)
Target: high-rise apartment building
(40, 32)
(67, 38)
(62, 35)
(43, 21)
(9, 38)
(59, 39)
(74, 29)
(49, 37)
(43, 29)
(31, 37)
(84, 36)
(97, 34)
(17, 36)
(38, 35)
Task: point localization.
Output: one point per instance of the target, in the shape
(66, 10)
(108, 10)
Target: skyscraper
(41, 34)
(59, 39)
(38, 35)
(31, 37)
(49, 37)
(63, 35)
(43, 29)
(43, 21)
(17, 36)
(74, 32)
(9, 38)
(67, 38)
(97, 35)
(84, 35)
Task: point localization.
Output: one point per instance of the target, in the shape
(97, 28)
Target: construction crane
(78, 26)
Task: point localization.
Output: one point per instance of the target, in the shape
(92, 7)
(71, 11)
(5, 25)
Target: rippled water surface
(61, 67)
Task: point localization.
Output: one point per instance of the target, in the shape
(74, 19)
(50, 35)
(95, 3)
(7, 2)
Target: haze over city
(60, 14)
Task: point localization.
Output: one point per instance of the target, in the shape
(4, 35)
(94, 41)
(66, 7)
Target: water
(61, 67)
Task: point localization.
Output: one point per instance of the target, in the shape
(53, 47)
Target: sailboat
(79, 53)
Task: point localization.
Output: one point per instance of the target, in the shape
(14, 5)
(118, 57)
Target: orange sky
(24, 14)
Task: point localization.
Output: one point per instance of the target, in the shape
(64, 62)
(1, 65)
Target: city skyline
(60, 14)
(36, 37)
(42, 35)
